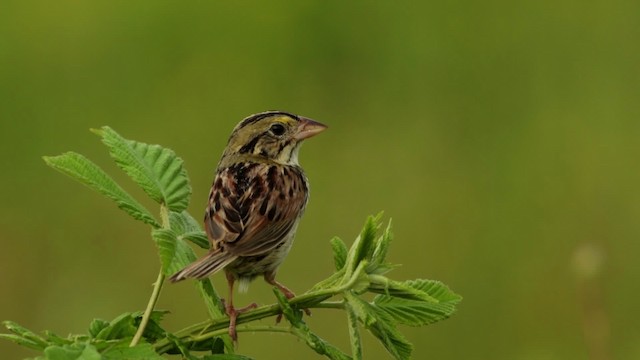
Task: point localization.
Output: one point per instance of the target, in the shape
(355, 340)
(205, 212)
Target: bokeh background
(503, 138)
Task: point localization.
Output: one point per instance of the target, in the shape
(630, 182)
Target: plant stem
(246, 328)
(219, 326)
(157, 286)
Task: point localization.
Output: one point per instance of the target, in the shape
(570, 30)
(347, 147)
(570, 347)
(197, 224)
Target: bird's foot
(233, 313)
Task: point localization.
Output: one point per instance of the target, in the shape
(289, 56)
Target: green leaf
(226, 357)
(332, 281)
(418, 312)
(435, 289)
(96, 326)
(77, 351)
(175, 254)
(302, 330)
(157, 170)
(381, 326)
(187, 228)
(182, 222)
(197, 237)
(404, 289)
(293, 315)
(395, 343)
(354, 334)
(339, 252)
(22, 341)
(211, 299)
(378, 258)
(88, 173)
(363, 246)
(360, 308)
(153, 331)
(123, 351)
(29, 338)
(181, 347)
(54, 339)
(121, 327)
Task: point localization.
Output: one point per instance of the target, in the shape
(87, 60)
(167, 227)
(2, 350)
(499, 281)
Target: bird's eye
(277, 129)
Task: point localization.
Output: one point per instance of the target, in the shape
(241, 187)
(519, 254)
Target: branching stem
(219, 326)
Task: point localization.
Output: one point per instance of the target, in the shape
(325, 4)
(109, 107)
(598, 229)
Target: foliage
(360, 269)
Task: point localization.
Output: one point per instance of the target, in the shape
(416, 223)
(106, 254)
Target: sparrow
(257, 199)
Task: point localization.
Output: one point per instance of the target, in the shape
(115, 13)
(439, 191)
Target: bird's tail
(204, 266)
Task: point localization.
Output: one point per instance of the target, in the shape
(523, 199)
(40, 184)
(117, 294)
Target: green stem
(157, 286)
(246, 328)
(219, 326)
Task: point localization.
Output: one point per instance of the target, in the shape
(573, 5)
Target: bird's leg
(270, 278)
(232, 312)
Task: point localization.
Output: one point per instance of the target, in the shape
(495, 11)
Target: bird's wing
(249, 215)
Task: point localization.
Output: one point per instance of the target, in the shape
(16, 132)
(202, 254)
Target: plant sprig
(360, 269)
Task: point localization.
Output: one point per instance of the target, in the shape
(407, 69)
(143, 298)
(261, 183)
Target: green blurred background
(501, 137)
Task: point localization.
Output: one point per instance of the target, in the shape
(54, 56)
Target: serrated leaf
(140, 351)
(187, 228)
(29, 336)
(96, 326)
(354, 334)
(213, 345)
(22, 341)
(395, 343)
(334, 280)
(55, 339)
(121, 327)
(212, 300)
(158, 170)
(77, 351)
(294, 316)
(82, 169)
(197, 237)
(182, 222)
(363, 246)
(417, 312)
(328, 350)
(414, 312)
(153, 331)
(401, 289)
(361, 309)
(339, 252)
(175, 254)
(382, 246)
(435, 289)
(381, 326)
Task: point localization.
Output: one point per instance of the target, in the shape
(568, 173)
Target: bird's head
(275, 135)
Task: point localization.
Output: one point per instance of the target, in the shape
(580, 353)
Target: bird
(258, 196)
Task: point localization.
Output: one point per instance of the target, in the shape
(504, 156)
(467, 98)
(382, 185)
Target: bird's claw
(233, 313)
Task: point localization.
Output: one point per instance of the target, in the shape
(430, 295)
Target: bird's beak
(308, 128)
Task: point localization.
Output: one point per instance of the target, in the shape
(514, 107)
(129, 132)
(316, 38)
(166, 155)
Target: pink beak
(308, 128)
